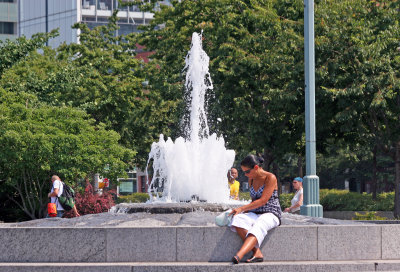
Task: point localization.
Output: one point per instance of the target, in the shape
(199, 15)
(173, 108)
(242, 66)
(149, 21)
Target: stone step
(299, 266)
(196, 244)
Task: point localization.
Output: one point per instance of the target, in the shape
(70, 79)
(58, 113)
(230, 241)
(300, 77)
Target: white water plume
(194, 167)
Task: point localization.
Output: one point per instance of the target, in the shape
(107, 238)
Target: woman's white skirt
(255, 224)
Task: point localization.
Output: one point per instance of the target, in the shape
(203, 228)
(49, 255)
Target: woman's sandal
(255, 260)
(235, 259)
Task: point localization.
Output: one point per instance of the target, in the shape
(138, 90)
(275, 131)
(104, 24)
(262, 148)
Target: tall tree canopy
(255, 63)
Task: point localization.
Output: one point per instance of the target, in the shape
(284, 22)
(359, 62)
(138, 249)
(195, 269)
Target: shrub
(385, 202)
(244, 195)
(90, 203)
(285, 199)
(368, 216)
(342, 200)
(133, 198)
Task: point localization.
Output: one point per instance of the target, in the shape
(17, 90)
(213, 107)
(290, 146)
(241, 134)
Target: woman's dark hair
(252, 160)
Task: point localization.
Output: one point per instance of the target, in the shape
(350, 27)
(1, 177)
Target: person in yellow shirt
(234, 185)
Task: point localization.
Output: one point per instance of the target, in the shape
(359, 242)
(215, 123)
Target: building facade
(27, 17)
(8, 19)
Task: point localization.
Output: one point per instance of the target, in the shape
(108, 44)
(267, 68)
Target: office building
(27, 17)
(8, 19)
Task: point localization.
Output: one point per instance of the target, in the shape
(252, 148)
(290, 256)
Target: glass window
(88, 19)
(132, 174)
(94, 24)
(125, 29)
(86, 4)
(143, 183)
(105, 5)
(102, 19)
(6, 1)
(6, 28)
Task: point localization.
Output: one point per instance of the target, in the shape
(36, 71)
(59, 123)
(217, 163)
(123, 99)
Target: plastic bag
(224, 219)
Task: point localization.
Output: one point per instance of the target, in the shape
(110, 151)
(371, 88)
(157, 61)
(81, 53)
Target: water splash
(194, 167)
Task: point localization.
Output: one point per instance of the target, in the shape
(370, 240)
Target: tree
(11, 52)
(358, 64)
(255, 66)
(39, 140)
(113, 87)
(101, 76)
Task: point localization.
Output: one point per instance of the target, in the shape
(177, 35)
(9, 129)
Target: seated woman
(253, 221)
(297, 200)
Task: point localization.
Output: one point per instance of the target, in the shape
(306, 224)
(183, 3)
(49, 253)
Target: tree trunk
(268, 159)
(300, 166)
(276, 172)
(374, 171)
(397, 182)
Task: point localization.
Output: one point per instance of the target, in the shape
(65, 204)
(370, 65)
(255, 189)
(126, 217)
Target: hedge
(133, 198)
(342, 200)
(330, 199)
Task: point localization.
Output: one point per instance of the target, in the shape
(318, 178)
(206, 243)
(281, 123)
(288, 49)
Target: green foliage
(255, 66)
(112, 87)
(101, 76)
(342, 200)
(11, 52)
(133, 198)
(285, 199)
(368, 216)
(385, 202)
(244, 195)
(38, 141)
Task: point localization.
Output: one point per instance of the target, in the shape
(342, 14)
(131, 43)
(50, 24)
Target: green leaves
(11, 52)
(37, 142)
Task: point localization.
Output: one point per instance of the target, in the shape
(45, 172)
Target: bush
(285, 199)
(368, 216)
(90, 203)
(385, 202)
(244, 195)
(133, 198)
(342, 200)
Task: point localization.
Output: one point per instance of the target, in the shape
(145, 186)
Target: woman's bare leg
(249, 244)
(243, 233)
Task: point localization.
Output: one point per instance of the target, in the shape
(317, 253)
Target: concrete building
(8, 19)
(27, 17)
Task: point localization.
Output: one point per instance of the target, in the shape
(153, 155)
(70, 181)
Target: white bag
(224, 219)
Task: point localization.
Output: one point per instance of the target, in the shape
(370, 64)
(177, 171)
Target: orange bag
(52, 209)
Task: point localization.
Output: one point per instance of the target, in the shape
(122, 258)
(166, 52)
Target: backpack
(67, 198)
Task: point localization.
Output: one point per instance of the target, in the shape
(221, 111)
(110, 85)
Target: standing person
(253, 221)
(234, 185)
(297, 200)
(55, 193)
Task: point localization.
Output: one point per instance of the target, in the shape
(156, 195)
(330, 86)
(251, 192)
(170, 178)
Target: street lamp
(311, 206)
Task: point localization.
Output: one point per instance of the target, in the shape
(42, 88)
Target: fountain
(194, 167)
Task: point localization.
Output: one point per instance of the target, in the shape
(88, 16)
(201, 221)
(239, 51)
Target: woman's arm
(297, 204)
(270, 186)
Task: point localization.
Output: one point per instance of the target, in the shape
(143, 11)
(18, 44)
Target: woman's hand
(236, 211)
(287, 210)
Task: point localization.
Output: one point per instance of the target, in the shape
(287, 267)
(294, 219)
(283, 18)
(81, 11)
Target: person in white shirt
(297, 200)
(56, 191)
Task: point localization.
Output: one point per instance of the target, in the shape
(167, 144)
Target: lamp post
(311, 206)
